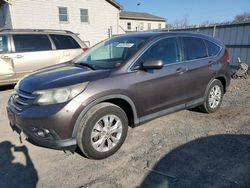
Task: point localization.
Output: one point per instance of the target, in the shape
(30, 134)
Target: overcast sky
(196, 11)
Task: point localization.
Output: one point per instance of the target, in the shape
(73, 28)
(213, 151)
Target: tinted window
(194, 48)
(3, 44)
(29, 43)
(166, 50)
(64, 42)
(213, 49)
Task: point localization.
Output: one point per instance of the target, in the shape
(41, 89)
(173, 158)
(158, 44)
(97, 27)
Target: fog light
(42, 133)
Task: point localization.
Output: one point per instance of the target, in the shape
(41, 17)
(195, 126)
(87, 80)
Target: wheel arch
(122, 101)
(223, 81)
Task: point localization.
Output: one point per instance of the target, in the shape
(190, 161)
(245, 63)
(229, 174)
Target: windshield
(111, 53)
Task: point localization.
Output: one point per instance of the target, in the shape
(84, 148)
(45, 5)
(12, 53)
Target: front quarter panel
(116, 86)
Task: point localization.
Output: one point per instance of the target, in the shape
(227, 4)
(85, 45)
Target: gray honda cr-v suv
(124, 81)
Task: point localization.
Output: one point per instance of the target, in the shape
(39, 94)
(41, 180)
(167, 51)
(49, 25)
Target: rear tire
(102, 131)
(213, 98)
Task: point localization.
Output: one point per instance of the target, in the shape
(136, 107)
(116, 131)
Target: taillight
(85, 49)
(227, 56)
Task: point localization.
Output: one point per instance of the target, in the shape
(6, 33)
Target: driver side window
(166, 50)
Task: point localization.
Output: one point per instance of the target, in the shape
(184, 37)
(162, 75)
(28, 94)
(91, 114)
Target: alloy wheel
(106, 133)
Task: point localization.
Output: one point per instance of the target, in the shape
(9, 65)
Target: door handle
(6, 57)
(181, 70)
(18, 56)
(65, 53)
(210, 62)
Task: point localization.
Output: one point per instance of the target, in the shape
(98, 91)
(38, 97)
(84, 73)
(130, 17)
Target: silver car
(23, 51)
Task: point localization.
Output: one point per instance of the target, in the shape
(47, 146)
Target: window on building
(141, 26)
(3, 44)
(194, 48)
(84, 14)
(166, 50)
(64, 42)
(29, 43)
(129, 25)
(63, 14)
(149, 26)
(213, 49)
(159, 26)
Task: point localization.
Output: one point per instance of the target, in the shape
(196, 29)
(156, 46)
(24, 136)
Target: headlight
(58, 95)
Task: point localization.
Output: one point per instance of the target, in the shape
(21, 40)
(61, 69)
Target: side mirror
(152, 64)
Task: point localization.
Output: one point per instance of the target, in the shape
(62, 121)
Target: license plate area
(14, 127)
(23, 137)
(11, 117)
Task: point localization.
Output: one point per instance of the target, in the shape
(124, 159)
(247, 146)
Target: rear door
(32, 52)
(158, 90)
(67, 47)
(200, 66)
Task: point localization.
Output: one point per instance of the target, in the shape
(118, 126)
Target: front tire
(213, 98)
(102, 131)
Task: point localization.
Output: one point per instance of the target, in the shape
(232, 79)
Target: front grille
(22, 100)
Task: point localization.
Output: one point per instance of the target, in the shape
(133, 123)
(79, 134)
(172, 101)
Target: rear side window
(3, 44)
(194, 48)
(212, 48)
(64, 42)
(166, 50)
(31, 43)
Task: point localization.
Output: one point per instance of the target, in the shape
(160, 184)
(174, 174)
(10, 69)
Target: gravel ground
(184, 149)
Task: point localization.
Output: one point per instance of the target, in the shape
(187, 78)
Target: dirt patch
(200, 150)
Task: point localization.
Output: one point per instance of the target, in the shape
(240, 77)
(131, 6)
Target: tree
(242, 17)
(206, 23)
(181, 23)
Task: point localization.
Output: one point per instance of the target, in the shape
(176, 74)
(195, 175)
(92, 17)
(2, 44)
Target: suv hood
(59, 76)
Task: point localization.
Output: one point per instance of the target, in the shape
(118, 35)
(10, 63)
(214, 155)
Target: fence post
(214, 33)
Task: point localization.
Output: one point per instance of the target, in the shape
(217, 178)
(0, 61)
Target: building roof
(140, 16)
(116, 4)
(113, 2)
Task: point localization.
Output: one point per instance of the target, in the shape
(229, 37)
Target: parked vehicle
(23, 51)
(124, 81)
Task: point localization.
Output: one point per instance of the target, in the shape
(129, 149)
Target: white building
(138, 21)
(94, 20)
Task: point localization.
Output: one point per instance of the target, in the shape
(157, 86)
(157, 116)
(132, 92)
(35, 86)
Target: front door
(158, 90)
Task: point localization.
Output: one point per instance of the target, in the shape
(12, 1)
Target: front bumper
(67, 144)
(58, 120)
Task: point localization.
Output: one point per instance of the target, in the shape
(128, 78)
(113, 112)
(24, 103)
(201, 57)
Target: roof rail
(36, 30)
